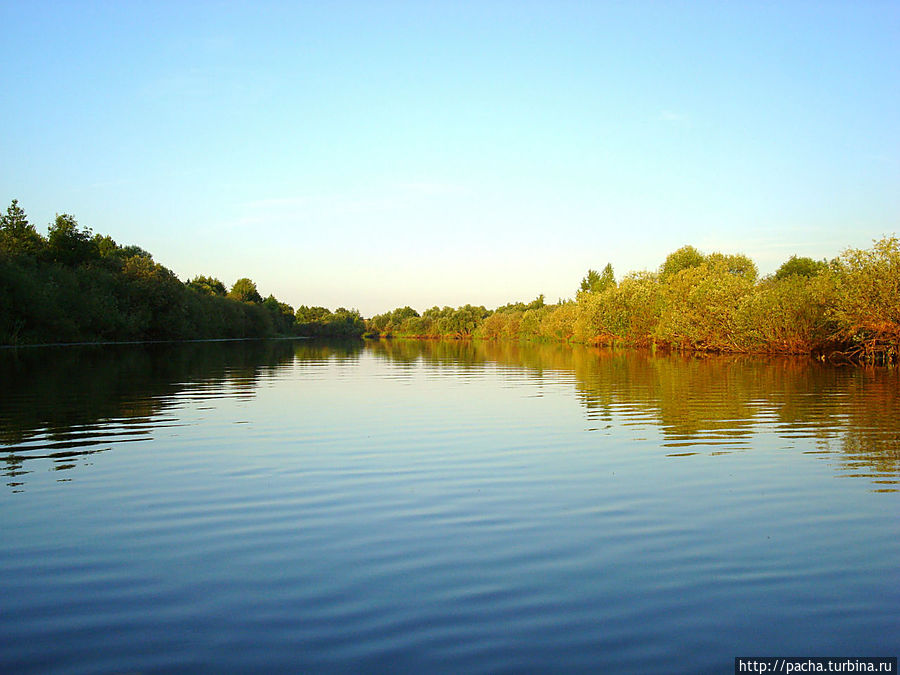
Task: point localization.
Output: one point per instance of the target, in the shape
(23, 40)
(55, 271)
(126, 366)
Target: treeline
(72, 285)
(844, 309)
(75, 286)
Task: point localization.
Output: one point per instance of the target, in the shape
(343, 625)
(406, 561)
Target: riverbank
(844, 310)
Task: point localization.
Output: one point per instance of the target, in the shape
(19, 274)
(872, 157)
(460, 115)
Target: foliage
(446, 322)
(282, 314)
(390, 322)
(244, 290)
(737, 264)
(345, 323)
(68, 244)
(207, 285)
(457, 323)
(700, 303)
(626, 314)
(787, 315)
(804, 267)
(504, 324)
(558, 323)
(597, 282)
(867, 304)
(706, 302)
(17, 236)
(530, 323)
(322, 322)
(76, 286)
(310, 314)
(537, 303)
(682, 259)
(590, 280)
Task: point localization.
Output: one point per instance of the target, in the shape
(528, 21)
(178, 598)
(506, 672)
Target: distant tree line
(73, 285)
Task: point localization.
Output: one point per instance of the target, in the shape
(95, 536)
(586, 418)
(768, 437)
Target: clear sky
(376, 154)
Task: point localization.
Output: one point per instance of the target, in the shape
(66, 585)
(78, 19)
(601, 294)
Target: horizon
(374, 156)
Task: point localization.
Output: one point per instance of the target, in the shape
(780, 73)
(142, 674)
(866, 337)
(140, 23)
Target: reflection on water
(709, 404)
(68, 403)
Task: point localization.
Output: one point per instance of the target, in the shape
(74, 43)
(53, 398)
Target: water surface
(441, 507)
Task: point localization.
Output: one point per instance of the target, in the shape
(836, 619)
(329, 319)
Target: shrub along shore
(74, 286)
(846, 309)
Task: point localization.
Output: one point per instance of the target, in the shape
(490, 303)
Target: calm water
(441, 507)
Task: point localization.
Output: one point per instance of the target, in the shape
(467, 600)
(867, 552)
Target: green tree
(537, 303)
(306, 314)
(737, 264)
(132, 251)
(345, 323)
(282, 314)
(682, 259)
(106, 246)
(597, 282)
(15, 219)
(69, 244)
(207, 285)
(17, 235)
(867, 307)
(399, 315)
(800, 266)
(591, 279)
(245, 290)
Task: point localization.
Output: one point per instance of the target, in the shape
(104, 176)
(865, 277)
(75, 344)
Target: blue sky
(378, 154)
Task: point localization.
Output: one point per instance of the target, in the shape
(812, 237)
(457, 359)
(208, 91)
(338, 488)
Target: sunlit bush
(700, 307)
(867, 305)
(501, 325)
(558, 322)
(788, 316)
(628, 313)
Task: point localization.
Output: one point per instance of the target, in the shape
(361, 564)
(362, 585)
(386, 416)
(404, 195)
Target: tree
(207, 285)
(345, 323)
(306, 314)
(867, 306)
(597, 282)
(804, 267)
(17, 235)
(682, 259)
(607, 278)
(591, 279)
(68, 244)
(399, 315)
(15, 220)
(245, 291)
(737, 264)
(282, 314)
(106, 246)
(131, 251)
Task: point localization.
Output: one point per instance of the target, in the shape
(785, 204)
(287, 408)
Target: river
(459, 507)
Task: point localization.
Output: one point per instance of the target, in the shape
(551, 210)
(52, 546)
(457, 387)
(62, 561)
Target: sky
(375, 154)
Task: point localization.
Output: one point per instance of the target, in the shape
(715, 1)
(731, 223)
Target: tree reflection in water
(67, 403)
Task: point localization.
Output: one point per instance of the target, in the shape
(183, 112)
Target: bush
(787, 316)
(867, 304)
(700, 308)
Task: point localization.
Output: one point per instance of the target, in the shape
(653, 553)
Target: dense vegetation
(73, 286)
(845, 309)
